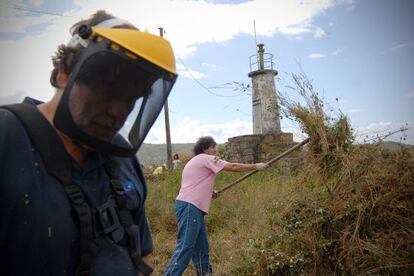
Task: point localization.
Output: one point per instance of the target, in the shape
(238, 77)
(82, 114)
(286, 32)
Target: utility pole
(167, 120)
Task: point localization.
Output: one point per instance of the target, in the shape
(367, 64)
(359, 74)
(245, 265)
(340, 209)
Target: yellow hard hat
(123, 71)
(152, 48)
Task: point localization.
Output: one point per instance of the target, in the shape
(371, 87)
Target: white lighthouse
(265, 108)
(267, 139)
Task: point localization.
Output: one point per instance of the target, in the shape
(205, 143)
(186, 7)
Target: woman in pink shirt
(193, 202)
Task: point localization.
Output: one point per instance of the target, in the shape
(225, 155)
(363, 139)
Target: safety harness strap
(125, 216)
(57, 163)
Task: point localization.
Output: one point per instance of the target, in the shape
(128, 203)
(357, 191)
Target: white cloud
(17, 21)
(410, 94)
(186, 72)
(317, 55)
(26, 62)
(399, 46)
(322, 55)
(355, 110)
(369, 132)
(212, 66)
(319, 33)
(36, 2)
(184, 21)
(190, 129)
(384, 128)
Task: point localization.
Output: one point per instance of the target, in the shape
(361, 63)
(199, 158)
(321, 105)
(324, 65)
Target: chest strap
(125, 217)
(58, 164)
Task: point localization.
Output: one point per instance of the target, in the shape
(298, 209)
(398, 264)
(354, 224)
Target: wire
(239, 100)
(203, 86)
(38, 11)
(242, 112)
(235, 86)
(61, 15)
(380, 133)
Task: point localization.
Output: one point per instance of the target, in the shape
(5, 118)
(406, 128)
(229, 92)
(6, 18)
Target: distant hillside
(156, 154)
(395, 145)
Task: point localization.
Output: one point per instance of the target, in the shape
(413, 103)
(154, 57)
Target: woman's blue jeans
(192, 243)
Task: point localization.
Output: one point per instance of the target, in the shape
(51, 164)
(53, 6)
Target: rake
(270, 162)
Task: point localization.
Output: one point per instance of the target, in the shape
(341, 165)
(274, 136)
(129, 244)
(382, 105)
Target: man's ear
(62, 77)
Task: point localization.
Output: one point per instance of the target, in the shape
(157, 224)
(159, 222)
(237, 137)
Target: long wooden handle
(280, 156)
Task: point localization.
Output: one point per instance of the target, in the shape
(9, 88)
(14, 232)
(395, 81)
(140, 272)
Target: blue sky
(360, 52)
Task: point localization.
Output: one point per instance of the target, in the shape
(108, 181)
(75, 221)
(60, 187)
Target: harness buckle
(109, 220)
(75, 194)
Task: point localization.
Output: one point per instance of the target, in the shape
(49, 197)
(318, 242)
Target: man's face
(106, 90)
(102, 111)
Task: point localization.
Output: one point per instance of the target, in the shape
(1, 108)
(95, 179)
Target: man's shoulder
(6, 114)
(8, 122)
(8, 118)
(130, 163)
(130, 167)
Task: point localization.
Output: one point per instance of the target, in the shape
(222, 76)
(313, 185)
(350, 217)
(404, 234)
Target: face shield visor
(112, 99)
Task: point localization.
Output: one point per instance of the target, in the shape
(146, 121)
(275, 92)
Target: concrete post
(266, 118)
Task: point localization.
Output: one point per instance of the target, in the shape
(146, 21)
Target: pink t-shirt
(197, 182)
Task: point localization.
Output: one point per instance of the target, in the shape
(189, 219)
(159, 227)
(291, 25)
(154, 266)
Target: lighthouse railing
(256, 65)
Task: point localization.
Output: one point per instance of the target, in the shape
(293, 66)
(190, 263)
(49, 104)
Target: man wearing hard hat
(71, 189)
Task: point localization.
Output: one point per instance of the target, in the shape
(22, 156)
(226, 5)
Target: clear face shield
(112, 100)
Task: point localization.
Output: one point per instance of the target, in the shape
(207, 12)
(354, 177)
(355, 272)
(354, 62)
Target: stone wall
(256, 148)
(244, 149)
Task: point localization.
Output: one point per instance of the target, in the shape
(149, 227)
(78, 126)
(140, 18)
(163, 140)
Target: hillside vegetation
(348, 211)
(156, 154)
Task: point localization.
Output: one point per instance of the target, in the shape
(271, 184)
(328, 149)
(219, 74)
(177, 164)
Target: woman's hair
(202, 144)
(176, 156)
(66, 56)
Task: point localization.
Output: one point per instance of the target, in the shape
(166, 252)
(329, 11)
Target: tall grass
(348, 211)
(351, 210)
(234, 220)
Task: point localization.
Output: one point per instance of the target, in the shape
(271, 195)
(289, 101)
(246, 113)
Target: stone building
(267, 140)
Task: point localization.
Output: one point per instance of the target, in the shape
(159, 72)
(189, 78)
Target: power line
(235, 86)
(239, 100)
(38, 11)
(62, 15)
(382, 137)
(241, 85)
(242, 112)
(202, 85)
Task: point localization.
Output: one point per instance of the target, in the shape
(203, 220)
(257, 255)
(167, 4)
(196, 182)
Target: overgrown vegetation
(349, 211)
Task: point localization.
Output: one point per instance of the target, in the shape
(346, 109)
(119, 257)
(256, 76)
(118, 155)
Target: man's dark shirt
(38, 232)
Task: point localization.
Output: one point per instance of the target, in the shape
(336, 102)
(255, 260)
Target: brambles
(351, 211)
(330, 135)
